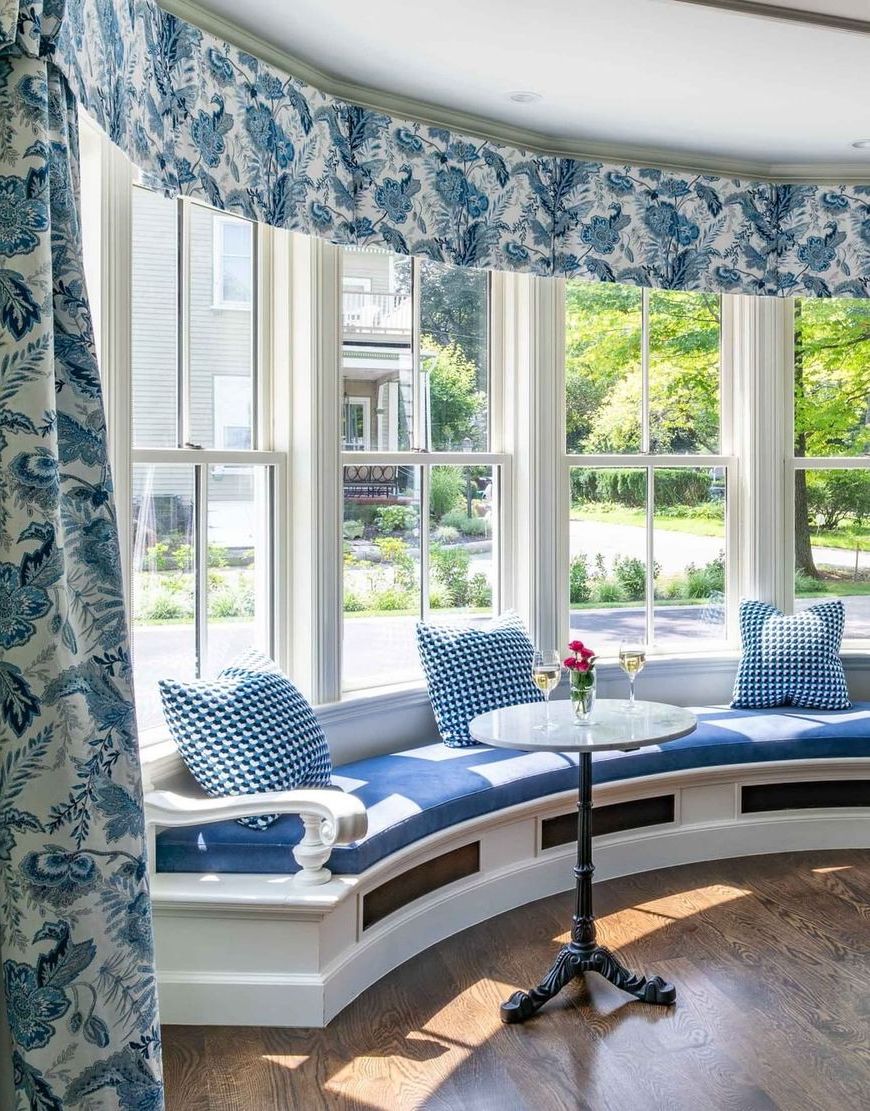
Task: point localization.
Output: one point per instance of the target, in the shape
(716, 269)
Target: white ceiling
(640, 74)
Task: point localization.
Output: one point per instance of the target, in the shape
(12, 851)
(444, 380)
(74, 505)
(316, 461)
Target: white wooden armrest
(329, 817)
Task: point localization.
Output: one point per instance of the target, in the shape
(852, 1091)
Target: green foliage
(456, 405)
(579, 581)
(607, 592)
(479, 591)
(446, 485)
(353, 603)
(675, 487)
(218, 556)
(395, 518)
(631, 577)
(395, 552)
(450, 570)
(806, 584)
(834, 497)
(352, 530)
(392, 599)
(468, 526)
(166, 606)
(445, 534)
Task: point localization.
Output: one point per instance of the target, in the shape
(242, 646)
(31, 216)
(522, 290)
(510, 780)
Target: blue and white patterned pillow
(471, 670)
(791, 661)
(249, 730)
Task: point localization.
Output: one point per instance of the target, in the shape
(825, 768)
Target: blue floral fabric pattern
(76, 956)
(201, 117)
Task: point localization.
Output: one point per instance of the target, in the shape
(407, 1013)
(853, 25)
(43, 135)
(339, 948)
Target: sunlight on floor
(432, 1051)
(631, 923)
(285, 1060)
(833, 868)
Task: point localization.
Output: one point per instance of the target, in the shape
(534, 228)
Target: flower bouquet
(581, 669)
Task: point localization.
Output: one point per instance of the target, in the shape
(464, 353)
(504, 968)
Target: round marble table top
(612, 726)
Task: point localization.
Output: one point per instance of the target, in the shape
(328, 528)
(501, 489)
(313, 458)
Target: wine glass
(632, 657)
(546, 673)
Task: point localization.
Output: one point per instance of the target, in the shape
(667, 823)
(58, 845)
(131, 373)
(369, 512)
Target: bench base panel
(253, 951)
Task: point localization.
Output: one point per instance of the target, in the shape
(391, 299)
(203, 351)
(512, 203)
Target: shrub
(438, 598)
(445, 490)
(166, 607)
(352, 530)
(353, 603)
(391, 599)
(217, 556)
(395, 552)
(479, 591)
(580, 587)
(445, 534)
(450, 570)
(677, 486)
(806, 584)
(157, 556)
(608, 591)
(395, 518)
(468, 526)
(630, 575)
(677, 588)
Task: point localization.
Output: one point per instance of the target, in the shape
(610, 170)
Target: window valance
(201, 117)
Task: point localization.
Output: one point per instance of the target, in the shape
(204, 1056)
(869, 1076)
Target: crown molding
(527, 139)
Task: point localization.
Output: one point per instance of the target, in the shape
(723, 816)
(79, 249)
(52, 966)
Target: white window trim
(219, 302)
(365, 404)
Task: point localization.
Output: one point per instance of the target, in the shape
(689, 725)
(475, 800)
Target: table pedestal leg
(583, 953)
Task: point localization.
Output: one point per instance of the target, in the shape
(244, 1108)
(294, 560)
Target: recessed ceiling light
(524, 97)
(861, 144)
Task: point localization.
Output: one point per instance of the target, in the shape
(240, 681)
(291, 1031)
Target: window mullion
(419, 438)
(425, 485)
(644, 374)
(200, 496)
(182, 323)
(650, 555)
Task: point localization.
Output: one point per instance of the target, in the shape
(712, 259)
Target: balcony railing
(377, 313)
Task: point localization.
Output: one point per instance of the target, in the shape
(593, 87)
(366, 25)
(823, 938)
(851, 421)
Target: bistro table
(613, 725)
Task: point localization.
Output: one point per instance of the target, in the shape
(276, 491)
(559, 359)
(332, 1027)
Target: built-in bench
(456, 835)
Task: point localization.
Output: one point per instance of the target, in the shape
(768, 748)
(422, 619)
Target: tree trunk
(803, 550)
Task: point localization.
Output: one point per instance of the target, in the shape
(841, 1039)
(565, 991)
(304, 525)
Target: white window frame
(650, 462)
(219, 254)
(365, 403)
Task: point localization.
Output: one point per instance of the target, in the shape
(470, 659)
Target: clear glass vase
(583, 697)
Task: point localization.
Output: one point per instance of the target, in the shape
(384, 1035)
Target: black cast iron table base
(583, 953)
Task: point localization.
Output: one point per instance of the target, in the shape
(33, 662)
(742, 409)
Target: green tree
(456, 405)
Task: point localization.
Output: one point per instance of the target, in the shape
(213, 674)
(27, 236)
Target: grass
(620, 515)
(435, 613)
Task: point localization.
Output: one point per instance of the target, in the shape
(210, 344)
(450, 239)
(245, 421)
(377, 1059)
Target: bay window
(421, 485)
(646, 424)
(202, 481)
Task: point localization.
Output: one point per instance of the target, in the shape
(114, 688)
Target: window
(421, 515)
(645, 428)
(202, 489)
(233, 253)
(832, 457)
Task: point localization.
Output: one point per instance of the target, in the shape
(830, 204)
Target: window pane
(689, 558)
(382, 596)
(154, 320)
(238, 563)
(832, 377)
(603, 368)
(454, 356)
(221, 341)
(608, 557)
(376, 356)
(164, 630)
(462, 550)
(832, 540)
(684, 372)
(236, 279)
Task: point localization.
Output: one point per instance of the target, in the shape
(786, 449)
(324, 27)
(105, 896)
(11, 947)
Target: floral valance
(201, 117)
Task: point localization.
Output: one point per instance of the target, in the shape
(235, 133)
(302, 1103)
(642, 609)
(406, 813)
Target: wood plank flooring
(770, 955)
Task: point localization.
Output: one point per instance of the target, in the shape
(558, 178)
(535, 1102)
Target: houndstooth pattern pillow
(249, 730)
(791, 661)
(471, 670)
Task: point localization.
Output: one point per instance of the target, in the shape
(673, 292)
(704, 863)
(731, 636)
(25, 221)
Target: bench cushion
(412, 794)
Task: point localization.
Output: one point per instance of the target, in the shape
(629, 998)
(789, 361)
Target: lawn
(622, 515)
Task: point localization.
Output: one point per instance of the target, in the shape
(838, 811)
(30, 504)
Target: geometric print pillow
(791, 661)
(471, 670)
(247, 731)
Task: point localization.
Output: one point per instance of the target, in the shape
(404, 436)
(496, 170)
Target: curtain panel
(200, 117)
(75, 919)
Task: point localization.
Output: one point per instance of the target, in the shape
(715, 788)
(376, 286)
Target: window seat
(411, 794)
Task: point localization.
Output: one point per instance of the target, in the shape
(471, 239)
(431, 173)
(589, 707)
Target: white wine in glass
(546, 673)
(632, 657)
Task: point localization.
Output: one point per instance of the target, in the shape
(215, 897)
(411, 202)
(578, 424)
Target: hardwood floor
(770, 955)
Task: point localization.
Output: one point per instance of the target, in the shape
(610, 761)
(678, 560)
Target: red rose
(582, 665)
(572, 663)
(586, 653)
(576, 646)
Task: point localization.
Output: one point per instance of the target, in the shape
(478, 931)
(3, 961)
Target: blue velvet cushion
(473, 669)
(249, 730)
(411, 794)
(791, 661)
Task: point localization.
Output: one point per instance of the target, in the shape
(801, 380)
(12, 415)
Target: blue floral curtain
(75, 927)
(201, 117)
